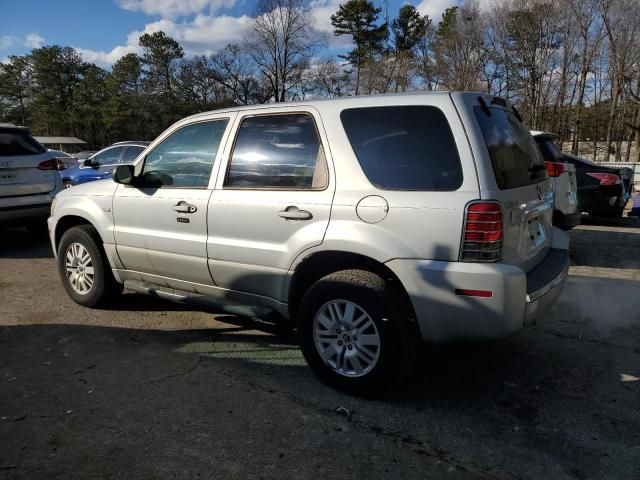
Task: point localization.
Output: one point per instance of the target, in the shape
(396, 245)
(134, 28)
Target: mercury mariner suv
(371, 222)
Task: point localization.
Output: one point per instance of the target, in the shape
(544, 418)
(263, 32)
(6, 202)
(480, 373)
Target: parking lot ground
(150, 389)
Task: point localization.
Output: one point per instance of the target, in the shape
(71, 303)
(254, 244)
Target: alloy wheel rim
(346, 338)
(79, 268)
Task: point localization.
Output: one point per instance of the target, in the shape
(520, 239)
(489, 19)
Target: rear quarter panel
(418, 224)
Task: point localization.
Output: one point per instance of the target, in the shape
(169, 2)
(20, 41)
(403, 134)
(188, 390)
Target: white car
(29, 179)
(372, 222)
(566, 213)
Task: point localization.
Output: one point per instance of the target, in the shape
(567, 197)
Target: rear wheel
(84, 268)
(355, 332)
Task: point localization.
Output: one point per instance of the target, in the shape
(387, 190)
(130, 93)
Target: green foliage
(409, 28)
(359, 18)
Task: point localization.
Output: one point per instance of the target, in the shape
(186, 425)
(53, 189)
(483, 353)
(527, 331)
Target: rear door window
(16, 144)
(404, 147)
(278, 151)
(516, 158)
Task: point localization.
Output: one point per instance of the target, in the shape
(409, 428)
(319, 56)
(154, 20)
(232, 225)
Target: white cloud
(203, 35)
(6, 41)
(33, 40)
(434, 8)
(175, 8)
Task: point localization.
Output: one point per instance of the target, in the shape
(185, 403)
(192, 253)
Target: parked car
(29, 179)
(69, 161)
(84, 154)
(372, 222)
(602, 191)
(102, 164)
(566, 214)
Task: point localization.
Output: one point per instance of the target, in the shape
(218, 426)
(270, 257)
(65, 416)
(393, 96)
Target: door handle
(184, 207)
(294, 213)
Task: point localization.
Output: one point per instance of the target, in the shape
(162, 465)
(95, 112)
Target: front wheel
(356, 333)
(84, 268)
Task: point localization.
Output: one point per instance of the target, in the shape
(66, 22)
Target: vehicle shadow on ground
(18, 242)
(465, 372)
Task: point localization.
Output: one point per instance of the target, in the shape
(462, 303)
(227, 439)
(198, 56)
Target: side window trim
(229, 118)
(236, 132)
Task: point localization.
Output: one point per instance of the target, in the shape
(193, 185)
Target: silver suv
(29, 179)
(372, 222)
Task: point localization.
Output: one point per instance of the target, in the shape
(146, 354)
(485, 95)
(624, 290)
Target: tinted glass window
(18, 144)
(277, 151)
(130, 154)
(404, 148)
(109, 157)
(549, 151)
(515, 156)
(185, 158)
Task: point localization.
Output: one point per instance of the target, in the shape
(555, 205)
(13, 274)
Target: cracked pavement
(152, 389)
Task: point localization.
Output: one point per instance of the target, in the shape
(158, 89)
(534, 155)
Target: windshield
(515, 157)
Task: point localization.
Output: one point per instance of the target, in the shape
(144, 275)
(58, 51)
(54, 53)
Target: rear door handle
(184, 207)
(294, 213)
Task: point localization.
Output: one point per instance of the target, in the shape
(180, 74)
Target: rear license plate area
(8, 177)
(535, 230)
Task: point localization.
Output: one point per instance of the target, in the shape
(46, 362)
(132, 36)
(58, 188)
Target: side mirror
(87, 163)
(124, 174)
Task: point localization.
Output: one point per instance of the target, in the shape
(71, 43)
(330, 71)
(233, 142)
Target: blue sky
(104, 30)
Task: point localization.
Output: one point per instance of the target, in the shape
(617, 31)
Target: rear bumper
(517, 298)
(566, 221)
(16, 209)
(602, 198)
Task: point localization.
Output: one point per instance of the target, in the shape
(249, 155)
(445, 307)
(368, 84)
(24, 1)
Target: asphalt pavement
(152, 389)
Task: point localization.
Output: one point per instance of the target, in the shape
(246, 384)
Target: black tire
(104, 286)
(397, 332)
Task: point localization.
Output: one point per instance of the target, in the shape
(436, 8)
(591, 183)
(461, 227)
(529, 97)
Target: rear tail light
(605, 178)
(483, 232)
(555, 169)
(53, 164)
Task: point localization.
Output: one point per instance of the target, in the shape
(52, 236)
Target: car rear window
(549, 151)
(514, 154)
(404, 147)
(16, 144)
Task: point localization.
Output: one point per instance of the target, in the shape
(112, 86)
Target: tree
(527, 32)
(329, 79)
(409, 30)
(358, 18)
(57, 72)
(160, 51)
(88, 102)
(281, 41)
(16, 86)
(123, 111)
(159, 69)
(235, 71)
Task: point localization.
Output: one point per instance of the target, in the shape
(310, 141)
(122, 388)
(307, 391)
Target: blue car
(103, 163)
